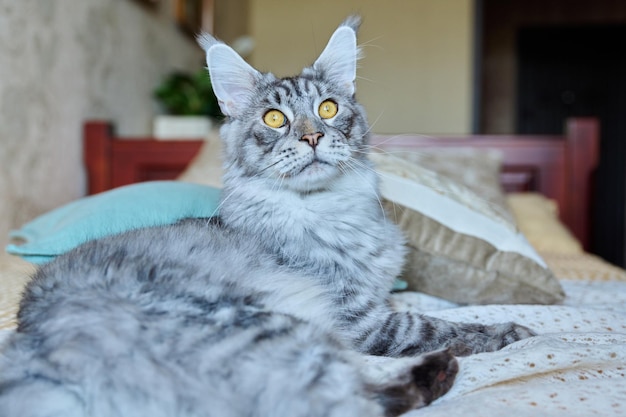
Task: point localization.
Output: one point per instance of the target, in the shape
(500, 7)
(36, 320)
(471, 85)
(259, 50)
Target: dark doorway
(566, 71)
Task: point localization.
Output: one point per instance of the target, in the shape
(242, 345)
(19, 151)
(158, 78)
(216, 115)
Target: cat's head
(301, 132)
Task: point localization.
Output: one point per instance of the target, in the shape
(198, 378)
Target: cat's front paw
(419, 385)
(478, 338)
(507, 333)
(435, 376)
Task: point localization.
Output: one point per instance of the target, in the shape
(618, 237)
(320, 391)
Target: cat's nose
(312, 138)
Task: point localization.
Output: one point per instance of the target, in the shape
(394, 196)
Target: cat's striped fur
(261, 312)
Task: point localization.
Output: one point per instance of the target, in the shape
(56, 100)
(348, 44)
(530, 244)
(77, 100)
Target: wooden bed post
(583, 141)
(97, 153)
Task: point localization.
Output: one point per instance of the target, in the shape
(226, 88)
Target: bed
(576, 364)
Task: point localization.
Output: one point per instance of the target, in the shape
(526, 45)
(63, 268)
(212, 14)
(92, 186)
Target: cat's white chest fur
(342, 229)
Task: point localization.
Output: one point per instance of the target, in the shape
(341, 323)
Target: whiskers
(268, 167)
(236, 188)
(355, 165)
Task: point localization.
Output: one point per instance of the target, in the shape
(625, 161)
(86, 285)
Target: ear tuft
(233, 79)
(353, 22)
(206, 41)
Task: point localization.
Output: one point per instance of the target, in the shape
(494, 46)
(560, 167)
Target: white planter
(181, 127)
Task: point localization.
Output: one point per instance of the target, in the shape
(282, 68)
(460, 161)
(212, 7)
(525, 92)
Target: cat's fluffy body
(260, 312)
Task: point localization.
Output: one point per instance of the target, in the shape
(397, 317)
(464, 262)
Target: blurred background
(430, 66)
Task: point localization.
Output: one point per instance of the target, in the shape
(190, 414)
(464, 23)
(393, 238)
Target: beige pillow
(583, 266)
(206, 166)
(462, 247)
(537, 217)
(478, 170)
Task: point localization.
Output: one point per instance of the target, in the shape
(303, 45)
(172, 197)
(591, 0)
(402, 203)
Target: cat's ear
(338, 60)
(233, 79)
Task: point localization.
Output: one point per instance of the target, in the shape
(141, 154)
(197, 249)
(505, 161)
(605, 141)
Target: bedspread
(575, 366)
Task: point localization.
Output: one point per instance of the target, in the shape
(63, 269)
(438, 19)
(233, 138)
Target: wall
(416, 75)
(230, 19)
(65, 61)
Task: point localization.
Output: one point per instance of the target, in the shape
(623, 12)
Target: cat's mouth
(316, 165)
(304, 169)
(312, 176)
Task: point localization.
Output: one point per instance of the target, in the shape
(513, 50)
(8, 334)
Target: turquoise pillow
(133, 206)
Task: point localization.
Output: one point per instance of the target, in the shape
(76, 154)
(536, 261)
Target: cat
(266, 310)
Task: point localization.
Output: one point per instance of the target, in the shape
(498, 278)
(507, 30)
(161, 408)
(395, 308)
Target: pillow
(537, 217)
(134, 206)
(206, 167)
(583, 267)
(480, 171)
(462, 247)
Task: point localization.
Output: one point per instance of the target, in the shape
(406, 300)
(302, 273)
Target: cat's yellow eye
(275, 119)
(328, 109)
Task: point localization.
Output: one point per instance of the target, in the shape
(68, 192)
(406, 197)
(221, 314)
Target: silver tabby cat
(264, 311)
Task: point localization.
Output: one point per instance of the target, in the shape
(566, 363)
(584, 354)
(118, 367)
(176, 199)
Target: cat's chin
(316, 176)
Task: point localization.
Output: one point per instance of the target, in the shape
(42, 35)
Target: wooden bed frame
(560, 167)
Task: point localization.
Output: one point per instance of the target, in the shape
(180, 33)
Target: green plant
(187, 94)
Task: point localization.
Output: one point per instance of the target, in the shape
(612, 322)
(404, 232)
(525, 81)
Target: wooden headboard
(558, 166)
